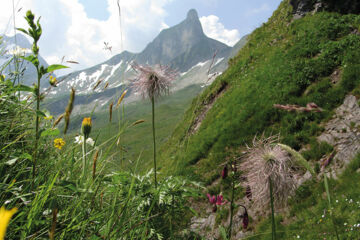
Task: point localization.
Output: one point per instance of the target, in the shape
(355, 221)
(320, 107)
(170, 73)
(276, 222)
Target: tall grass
(55, 203)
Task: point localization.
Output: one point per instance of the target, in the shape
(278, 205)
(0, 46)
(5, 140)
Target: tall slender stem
(37, 121)
(84, 157)
(272, 211)
(231, 208)
(153, 130)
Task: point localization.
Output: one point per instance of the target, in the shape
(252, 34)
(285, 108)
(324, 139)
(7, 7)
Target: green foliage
(285, 61)
(309, 211)
(55, 202)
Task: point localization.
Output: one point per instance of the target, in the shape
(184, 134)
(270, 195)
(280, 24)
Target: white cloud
(213, 28)
(67, 31)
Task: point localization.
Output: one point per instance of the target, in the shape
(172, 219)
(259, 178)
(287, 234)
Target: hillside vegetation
(285, 61)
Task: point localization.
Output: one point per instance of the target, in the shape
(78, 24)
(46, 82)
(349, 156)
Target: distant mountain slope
(184, 47)
(24, 46)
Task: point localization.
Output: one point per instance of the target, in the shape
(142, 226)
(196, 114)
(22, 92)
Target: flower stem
(37, 122)
(153, 130)
(272, 211)
(231, 208)
(84, 157)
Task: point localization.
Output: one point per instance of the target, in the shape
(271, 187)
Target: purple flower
(220, 200)
(216, 200)
(224, 172)
(212, 199)
(245, 218)
(154, 81)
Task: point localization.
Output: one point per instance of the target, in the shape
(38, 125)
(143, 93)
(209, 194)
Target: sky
(77, 29)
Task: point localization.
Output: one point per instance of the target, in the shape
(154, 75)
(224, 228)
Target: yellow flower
(53, 81)
(86, 127)
(59, 143)
(5, 216)
(48, 117)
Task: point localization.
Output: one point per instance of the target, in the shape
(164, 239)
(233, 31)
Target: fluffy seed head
(266, 160)
(153, 81)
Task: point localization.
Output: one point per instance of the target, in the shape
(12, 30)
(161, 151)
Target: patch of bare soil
(207, 105)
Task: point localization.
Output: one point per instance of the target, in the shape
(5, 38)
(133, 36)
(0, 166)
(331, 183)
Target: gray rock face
(343, 132)
(301, 7)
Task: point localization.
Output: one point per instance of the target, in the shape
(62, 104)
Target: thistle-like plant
(271, 173)
(153, 82)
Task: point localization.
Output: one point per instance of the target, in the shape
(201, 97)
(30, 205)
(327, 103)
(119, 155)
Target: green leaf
(31, 58)
(24, 88)
(50, 132)
(26, 156)
(40, 113)
(54, 67)
(22, 30)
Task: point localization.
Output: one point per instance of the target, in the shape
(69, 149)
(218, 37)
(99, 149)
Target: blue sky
(77, 29)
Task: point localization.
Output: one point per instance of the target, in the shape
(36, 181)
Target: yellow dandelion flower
(5, 216)
(86, 127)
(59, 143)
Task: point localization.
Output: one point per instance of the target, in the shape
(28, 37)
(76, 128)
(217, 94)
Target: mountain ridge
(183, 47)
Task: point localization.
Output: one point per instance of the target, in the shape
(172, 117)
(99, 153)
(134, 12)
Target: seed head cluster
(264, 160)
(154, 81)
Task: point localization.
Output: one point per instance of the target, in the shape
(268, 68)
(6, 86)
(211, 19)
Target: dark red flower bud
(245, 221)
(224, 172)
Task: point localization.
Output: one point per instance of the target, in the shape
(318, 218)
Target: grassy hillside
(285, 61)
(309, 217)
(137, 140)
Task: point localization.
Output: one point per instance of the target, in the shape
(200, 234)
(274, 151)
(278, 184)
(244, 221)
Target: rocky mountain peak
(192, 15)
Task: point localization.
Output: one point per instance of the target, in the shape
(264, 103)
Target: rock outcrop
(302, 7)
(343, 132)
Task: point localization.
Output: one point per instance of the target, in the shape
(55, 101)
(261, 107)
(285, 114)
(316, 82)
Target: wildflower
(245, 217)
(152, 82)
(86, 127)
(59, 143)
(53, 81)
(266, 161)
(80, 139)
(48, 117)
(5, 216)
(224, 172)
(216, 200)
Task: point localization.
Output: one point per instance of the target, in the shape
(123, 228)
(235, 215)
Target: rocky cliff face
(301, 7)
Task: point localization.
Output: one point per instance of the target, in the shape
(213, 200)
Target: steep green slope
(285, 61)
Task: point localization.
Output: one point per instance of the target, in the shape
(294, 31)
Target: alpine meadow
(189, 138)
